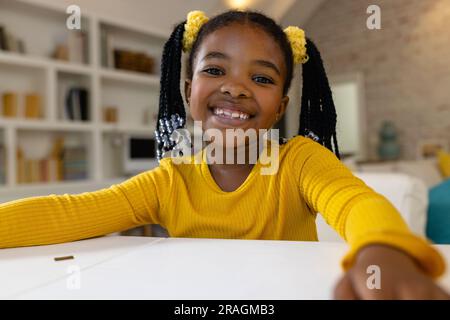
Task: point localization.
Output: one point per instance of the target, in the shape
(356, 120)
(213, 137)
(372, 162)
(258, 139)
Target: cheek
(200, 92)
(269, 103)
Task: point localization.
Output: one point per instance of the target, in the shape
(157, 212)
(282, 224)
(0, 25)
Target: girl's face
(238, 79)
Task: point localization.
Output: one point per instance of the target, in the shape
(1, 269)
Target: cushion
(426, 170)
(444, 163)
(438, 225)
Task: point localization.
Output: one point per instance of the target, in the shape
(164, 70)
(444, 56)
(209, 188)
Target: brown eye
(213, 71)
(264, 80)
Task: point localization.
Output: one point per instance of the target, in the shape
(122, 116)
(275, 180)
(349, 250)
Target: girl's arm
(62, 218)
(359, 214)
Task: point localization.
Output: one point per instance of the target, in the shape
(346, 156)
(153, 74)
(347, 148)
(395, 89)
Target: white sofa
(407, 193)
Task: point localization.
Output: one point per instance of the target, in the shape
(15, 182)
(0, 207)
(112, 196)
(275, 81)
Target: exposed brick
(406, 64)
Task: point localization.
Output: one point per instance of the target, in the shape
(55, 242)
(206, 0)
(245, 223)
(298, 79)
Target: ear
(187, 90)
(283, 105)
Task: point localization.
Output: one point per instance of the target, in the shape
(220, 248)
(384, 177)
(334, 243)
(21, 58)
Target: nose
(235, 90)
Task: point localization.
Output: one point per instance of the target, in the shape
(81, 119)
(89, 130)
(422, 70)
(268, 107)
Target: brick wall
(406, 64)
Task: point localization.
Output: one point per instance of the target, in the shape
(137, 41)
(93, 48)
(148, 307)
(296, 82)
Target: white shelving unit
(133, 94)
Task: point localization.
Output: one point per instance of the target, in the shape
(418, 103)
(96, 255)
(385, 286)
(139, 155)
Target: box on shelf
(110, 115)
(33, 106)
(10, 104)
(133, 61)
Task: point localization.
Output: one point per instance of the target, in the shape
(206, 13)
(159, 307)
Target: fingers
(344, 289)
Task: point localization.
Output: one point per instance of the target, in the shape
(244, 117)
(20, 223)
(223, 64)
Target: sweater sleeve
(63, 218)
(359, 214)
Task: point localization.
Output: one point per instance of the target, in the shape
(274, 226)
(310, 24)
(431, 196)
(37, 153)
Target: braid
(318, 113)
(172, 114)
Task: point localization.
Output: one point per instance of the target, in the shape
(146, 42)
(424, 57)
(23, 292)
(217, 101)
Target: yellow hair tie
(195, 20)
(297, 39)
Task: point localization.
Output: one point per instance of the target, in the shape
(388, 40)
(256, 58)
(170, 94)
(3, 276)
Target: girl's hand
(400, 277)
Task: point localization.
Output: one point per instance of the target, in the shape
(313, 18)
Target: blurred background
(78, 107)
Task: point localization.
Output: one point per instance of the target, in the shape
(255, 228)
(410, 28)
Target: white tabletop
(175, 268)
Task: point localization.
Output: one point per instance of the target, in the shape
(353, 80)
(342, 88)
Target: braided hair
(318, 114)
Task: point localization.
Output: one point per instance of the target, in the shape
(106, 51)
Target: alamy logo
(74, 279)
(233, 147)
(374, 20)
(73, 22)
(374, 281)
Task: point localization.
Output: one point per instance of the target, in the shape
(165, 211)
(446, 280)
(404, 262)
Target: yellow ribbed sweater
(184, 199)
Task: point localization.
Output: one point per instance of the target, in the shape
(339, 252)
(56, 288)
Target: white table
(175, 268)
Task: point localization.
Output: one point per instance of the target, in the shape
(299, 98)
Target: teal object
(389, 148)
(438, 224)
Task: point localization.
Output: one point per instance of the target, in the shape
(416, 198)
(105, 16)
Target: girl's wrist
(382, 254)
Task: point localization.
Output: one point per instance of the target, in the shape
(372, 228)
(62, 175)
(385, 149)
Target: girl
(239, 71)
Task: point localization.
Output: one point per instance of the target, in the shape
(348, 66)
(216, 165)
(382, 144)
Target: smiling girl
(239, 71)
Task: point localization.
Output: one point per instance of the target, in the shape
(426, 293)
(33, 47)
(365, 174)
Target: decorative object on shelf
(72, 48)
(388, 148)
(8, 42)
(429, 148)
(10, 104)
(33, 106)
(133, 61)
(61, 52)
(110, 115)
(77, 104)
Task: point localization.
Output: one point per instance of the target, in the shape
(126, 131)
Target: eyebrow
(263, 63)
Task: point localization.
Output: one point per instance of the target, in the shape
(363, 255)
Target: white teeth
(233, 114)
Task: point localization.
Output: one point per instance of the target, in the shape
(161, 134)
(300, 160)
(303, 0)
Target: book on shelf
(77, 104)
(106, 49)
(75, 163)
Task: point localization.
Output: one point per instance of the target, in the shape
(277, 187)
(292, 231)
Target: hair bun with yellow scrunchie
(196, 19)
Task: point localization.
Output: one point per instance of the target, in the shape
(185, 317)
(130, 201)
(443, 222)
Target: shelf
(129, 76)
(111, 128)
(24, 60)
(133, 94)
(32, 124)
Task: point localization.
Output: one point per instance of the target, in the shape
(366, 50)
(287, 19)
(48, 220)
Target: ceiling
(164, 14)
